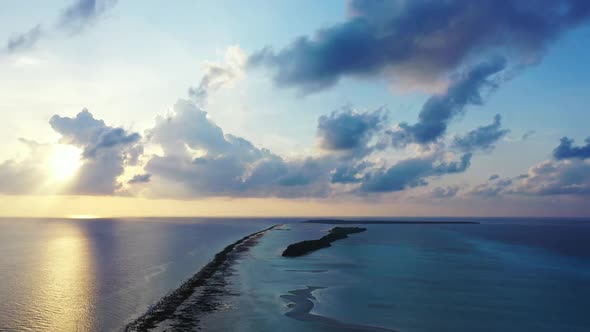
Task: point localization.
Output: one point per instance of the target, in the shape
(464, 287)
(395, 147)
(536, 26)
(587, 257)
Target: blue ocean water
(98, 275)
(500, 275)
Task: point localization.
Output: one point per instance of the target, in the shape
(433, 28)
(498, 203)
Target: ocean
(98, 275)
(500, 275)
(503, 274)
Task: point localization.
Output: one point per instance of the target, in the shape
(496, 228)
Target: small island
(305, 247)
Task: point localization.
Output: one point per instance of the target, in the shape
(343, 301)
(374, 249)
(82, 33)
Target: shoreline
(300, 302)
(165, 309)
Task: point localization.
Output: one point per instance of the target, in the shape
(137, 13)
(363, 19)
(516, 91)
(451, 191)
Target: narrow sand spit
(199, 294)
(301, 304)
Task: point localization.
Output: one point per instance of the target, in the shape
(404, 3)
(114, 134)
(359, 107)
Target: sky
(294, 108)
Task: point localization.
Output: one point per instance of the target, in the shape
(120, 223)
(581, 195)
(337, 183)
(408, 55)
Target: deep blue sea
(500, 275)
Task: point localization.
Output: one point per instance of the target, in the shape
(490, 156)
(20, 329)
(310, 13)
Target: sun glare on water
(64, 163)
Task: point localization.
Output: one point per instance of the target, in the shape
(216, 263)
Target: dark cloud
(106, 150)
(448, 192)
(83, 13)
(482, 138)
(567, 150)
(91, 134)
(439, 110)
(112, 138)
(494, 177)
(140, 178)
(303, 173)
(349, 173)
(349, 131)
(24, 40)
(308, 177)
(411, 173)
(421, 39)
(73, 19)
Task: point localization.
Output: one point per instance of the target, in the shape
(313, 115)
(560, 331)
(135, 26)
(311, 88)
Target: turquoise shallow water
(501, 275)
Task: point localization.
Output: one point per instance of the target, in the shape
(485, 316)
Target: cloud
(567, 150)
(83, 13)
(189, 129)
(412, 172)
(106, 150)
(567, 177)
(349, 131)
(419, 39)
(220, 75)
(196, 158)
(201, 160)
(494, 177)
(568, 174)
(448, 192)
(439, 110)
(27, 175)
(24, 40)
(73, 19)
(140, 178)
(482, 138)
(349, 173)
(492, 188)
(91, 134)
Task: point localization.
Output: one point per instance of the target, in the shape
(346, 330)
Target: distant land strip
(305, 247)
(377, 222)
(167, 308)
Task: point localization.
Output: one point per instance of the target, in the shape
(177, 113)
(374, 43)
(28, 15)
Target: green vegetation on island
(305, 247)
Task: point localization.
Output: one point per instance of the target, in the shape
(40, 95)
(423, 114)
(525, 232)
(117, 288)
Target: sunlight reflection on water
(98, 275)
(64, 283)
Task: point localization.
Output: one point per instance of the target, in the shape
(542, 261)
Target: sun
(64, 162)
